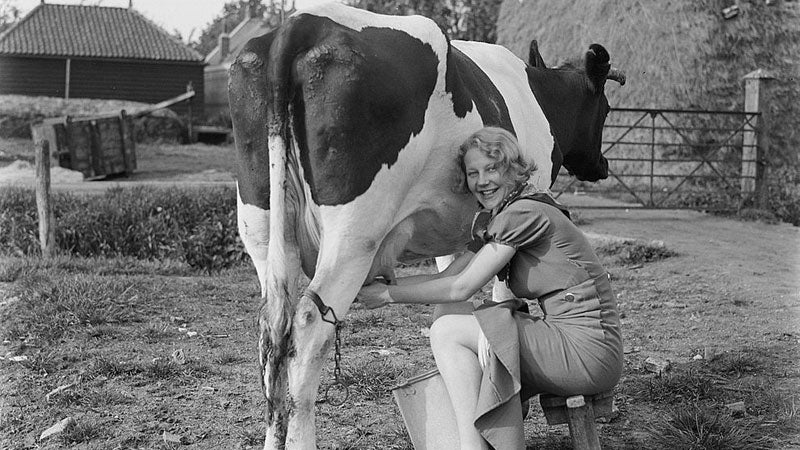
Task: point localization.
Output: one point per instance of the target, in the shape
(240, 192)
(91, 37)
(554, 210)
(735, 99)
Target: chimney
(252, 9)
(224, 45)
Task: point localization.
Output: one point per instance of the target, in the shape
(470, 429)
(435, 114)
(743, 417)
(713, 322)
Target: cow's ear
(597, 66)
(534, 57)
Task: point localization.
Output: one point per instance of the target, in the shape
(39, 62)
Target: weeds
(82, 431)
(631, 252)
(699, 429)
(735, 364)
(253, 437)
(156, 332)
(372, 379)
(104, 367)
(691, 386)
(42, 363)
(195, 227)
(225, 358)
(159, 369)
(105, 397)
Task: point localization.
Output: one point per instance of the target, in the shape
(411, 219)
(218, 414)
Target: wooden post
(44, 208)
(581, 424)
(755, 137)
(127, 143)
(190, 88)
(67, 77)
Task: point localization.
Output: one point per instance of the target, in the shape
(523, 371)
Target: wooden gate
(670, 158)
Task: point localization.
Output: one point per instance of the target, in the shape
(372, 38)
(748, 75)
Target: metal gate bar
(642, 134)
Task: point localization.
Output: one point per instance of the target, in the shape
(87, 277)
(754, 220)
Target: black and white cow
(346, 125)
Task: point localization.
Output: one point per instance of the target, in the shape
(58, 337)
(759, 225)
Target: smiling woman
(491, 166)
(500, 355)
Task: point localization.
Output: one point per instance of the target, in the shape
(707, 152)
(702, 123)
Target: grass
(372, 379)
(49, 308)
(672, 388)
(110, 326)
(697, 429)
(83, 431)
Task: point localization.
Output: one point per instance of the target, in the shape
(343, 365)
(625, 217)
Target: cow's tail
(275, 320)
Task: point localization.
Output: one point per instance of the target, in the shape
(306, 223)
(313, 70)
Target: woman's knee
(452, 329)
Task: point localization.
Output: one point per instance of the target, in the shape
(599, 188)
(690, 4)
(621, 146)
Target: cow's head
(574, 101)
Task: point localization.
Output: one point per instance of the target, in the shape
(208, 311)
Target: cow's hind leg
(313, 335)
(312, 339)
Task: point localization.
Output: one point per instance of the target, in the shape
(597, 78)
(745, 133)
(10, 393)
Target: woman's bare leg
(454, 341)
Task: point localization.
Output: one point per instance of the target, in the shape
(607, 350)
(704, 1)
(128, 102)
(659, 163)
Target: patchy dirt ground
(731, 291)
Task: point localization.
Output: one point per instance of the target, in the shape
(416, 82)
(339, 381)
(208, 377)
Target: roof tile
(92, 31)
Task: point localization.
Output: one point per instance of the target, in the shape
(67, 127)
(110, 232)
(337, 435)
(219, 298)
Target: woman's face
(485, 179)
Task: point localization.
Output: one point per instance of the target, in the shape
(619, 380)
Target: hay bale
(677, 54)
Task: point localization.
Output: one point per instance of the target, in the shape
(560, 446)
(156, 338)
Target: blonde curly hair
(499, 145)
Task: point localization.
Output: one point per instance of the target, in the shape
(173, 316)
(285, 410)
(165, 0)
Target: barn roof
(51, 30)
(247, 29)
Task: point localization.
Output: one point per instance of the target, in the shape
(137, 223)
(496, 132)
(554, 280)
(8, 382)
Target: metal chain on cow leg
(338, 383)
(338, 387)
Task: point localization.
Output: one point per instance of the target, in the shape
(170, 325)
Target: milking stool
(580, 412)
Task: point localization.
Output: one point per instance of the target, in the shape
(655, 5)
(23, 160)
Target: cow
(346, 125)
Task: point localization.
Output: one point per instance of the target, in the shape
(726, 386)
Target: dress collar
(521, 190)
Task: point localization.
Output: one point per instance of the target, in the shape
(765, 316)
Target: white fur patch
(254, 231)
(530, 124)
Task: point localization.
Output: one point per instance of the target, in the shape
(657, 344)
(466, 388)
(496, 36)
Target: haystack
(680, 54)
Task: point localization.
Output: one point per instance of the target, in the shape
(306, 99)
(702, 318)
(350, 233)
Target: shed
(82, 51)
(219, 60)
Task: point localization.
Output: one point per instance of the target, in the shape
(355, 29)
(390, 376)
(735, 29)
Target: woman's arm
(455, 267)
(450, 286)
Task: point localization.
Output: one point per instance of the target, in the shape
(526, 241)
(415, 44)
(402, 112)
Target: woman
(492, 359)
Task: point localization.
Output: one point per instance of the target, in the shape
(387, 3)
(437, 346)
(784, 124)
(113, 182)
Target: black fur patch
(469, 84)
(359, 97)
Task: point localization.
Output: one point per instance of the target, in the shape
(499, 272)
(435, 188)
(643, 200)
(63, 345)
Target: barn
(219, 60)
(82, 51)
(685, 54)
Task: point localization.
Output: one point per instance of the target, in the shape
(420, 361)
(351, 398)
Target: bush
(783, 193)
(193, 226)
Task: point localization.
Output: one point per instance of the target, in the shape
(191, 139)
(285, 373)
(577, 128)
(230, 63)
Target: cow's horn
(616, 75)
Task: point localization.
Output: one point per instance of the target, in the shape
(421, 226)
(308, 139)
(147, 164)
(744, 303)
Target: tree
(9, 15)
(474, 20)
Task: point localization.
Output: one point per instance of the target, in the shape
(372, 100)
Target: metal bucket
(427, 412)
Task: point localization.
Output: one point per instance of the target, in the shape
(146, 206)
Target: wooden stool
(579, 411)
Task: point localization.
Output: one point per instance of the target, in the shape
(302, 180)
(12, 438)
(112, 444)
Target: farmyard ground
(151, 348)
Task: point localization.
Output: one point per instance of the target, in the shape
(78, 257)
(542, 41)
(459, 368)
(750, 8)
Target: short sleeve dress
(576, 348)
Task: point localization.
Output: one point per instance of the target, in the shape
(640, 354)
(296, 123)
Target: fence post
(755, 137)
(44, 208)
(190, 88)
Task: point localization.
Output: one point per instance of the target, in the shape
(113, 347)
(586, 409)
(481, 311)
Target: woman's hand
(374, 295)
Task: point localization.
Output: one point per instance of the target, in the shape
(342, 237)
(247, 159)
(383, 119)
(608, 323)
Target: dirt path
(754, 267)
